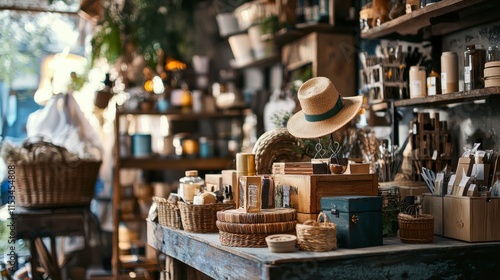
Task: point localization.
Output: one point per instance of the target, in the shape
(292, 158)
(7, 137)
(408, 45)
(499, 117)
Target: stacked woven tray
(492, 74)
(240, 229)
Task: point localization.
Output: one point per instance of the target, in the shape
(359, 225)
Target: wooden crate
(472, 219)
(305, 191)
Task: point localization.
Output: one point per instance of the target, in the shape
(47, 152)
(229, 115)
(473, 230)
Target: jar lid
(191, 173)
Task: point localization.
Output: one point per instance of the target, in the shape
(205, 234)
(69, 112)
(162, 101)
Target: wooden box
(304, 192)
(433, 204)
(358, 220)
(328, 54)
(472, 219)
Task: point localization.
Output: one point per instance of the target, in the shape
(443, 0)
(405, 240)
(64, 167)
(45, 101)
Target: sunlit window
(30, 39)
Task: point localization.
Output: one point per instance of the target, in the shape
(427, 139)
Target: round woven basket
(276, 145)
(272, 215)
(278, 227)
(201, 218)
(419, 229)
(317, 236)
(253, 240)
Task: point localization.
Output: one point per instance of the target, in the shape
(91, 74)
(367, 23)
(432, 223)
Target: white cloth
(62, 123)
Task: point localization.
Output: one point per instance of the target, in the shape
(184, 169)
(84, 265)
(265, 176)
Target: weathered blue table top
(444, 258)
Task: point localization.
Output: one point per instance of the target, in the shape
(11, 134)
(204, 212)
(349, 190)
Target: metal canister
(449, 72)
(245, 164)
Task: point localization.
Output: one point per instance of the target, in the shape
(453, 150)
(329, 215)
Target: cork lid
(191, 173)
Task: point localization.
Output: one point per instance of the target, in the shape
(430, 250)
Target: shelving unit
(441, 18)
(158, 163)
(430, 22)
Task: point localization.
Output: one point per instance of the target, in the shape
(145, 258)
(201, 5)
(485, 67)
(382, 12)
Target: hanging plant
(148, 26)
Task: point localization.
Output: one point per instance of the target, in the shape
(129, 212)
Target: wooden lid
(492, 64)
(273, 215)
(492, 72)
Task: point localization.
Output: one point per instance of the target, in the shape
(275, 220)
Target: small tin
(141, 145)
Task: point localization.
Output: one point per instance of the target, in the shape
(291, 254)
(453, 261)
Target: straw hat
(323, 109)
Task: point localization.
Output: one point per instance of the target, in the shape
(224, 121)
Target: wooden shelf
(260, 63)
(178, 115)
(160, 163)
(445, 99)
(442, 17)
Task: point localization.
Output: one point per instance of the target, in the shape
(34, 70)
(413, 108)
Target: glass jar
(190, 185)
(493, 54)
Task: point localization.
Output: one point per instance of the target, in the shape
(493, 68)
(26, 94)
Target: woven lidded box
(358, 219)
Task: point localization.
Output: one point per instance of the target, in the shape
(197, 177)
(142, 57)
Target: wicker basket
(317, 236)
(168, 213)
(50, 179)
(249, 240)
(416, 229)
(274, 146)
(201, 218)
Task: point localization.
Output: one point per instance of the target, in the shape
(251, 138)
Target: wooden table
(35, 224)
(445, 258)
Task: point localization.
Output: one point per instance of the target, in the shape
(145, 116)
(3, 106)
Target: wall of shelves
(471, 114)
(438, 19)
(122, 216)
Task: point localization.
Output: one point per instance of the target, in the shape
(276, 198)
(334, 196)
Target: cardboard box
(472, 219)
(304, 192)
(251, 193)
(358, 220)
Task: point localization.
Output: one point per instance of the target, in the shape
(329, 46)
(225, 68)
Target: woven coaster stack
(240, 229)
(492, 74)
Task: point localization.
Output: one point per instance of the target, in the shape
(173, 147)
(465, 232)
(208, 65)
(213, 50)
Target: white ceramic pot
(227, 24)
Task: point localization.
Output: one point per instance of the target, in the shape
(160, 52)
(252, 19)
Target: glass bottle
(474, 59)
(190, 185)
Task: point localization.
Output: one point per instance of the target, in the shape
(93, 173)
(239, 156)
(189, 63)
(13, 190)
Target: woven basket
(254, 240)
(168, 213)
(50, 180)
(274, 146)
(416, 229)
(201, 218)
(317, 236)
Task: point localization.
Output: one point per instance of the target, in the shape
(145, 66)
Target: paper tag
(472, 187)
(434, 155)
(478, 171)
(444, 81)
(451, 183)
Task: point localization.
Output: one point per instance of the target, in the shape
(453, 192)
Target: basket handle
(325, 217)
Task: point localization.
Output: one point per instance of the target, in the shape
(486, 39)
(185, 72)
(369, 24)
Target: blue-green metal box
(358, 219)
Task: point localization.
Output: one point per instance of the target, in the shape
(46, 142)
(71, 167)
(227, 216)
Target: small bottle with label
(433, 84)
(190, 185)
